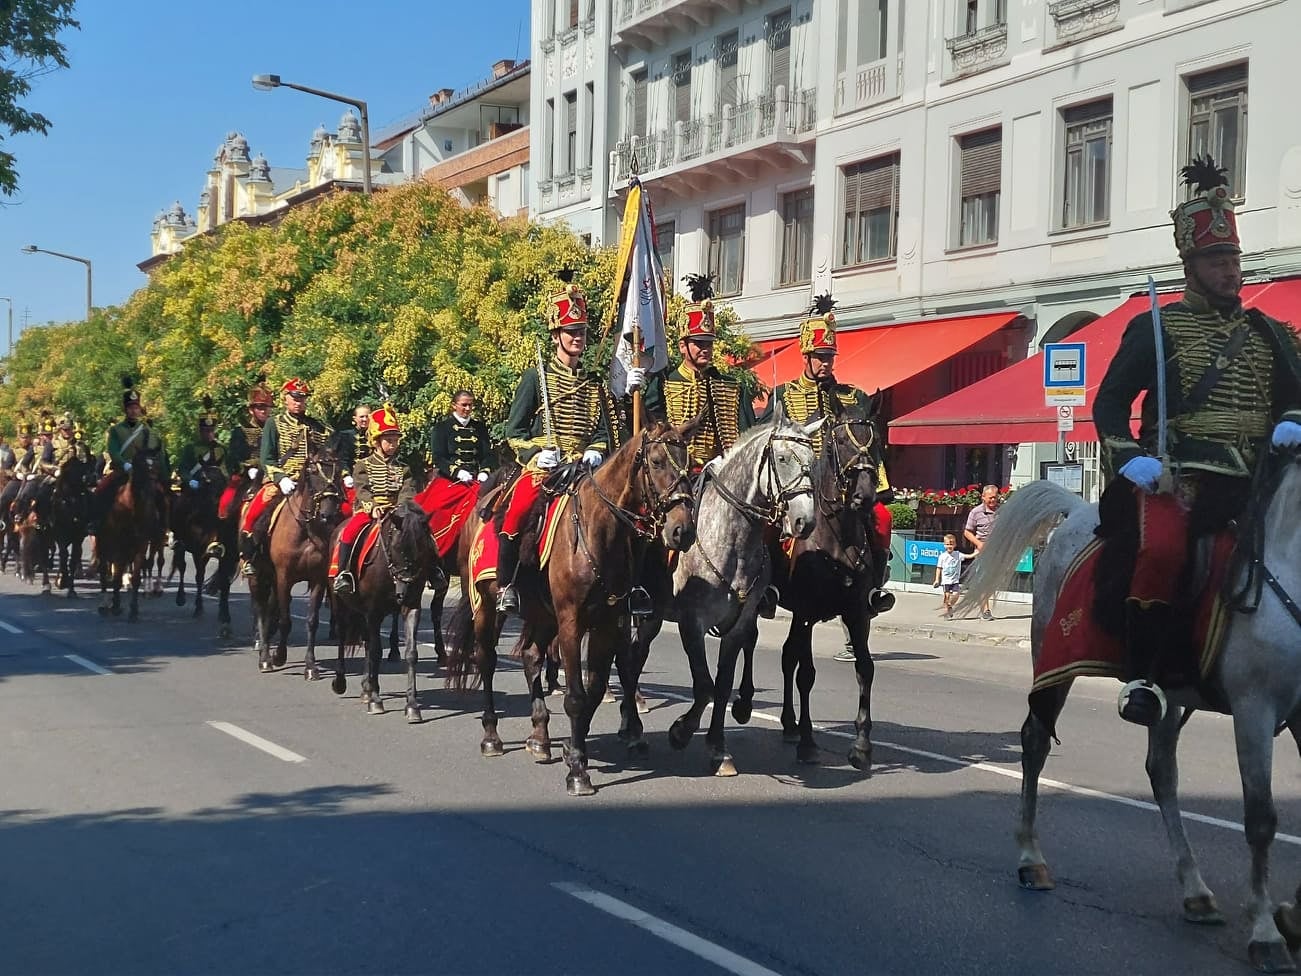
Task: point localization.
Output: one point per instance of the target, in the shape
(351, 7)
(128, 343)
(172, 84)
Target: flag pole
(636, 394)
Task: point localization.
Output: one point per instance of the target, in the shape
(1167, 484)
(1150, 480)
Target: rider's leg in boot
(507, 570)
(768, 601)
(345, 582)
(880, 600)
(1147, 633)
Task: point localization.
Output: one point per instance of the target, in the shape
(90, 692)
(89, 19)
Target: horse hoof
(491, 749)
(279, 658)
(180, 598)
(45, 590)
(1270, 957)
(741, 710)
(679, 737)
(791, 736)
(609, 698)
(223, 632)
(413, 715)
(539, 750)
(861, 759)
(312, 674)
(1035, 877)
(723, 766)
(1202, 910)
(339, 685)
(198, 611)
(642, 707)
(1288, 919)
(375, 707)
(265, 667)
(807, 753)
(579, 784)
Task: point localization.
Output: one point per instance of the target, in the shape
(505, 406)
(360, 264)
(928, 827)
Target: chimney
(502, 68)
(440, 96)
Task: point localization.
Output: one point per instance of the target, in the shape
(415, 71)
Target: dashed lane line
(88, 664)
(9, 628)
(257, 742)
(680, 937)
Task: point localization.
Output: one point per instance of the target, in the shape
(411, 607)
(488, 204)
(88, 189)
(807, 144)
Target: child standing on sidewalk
(948, 571)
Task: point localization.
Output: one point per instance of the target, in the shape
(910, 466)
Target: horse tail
(1023, 521)
(461, 673)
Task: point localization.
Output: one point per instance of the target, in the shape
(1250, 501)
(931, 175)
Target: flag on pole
(643, 307)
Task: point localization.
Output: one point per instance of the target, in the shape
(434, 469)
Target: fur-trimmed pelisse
(818, 332)
(1205, 224)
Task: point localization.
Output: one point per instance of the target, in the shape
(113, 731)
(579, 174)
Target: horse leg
(1163, 773)
(394, 651)
(743, 703)
(702, 682)
(580, 701)
(314, 597)
(103, 588)
(200, 573)
(178, 567)
(410, 621)
(436, 616)
(1032, 870)
(134, 613)
(860, 753)
(807, 749)
(790, 663)
(486, 631)
(538, 743)
(720, 760)
(631, 657)
(374, 651)
(284, 603)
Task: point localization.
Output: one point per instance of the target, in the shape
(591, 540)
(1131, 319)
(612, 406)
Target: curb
(956, 636)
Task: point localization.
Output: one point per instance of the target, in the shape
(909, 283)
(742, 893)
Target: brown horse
(131, 524)
(642, 491)
(297, 550)
(198, 531)
(391, 579)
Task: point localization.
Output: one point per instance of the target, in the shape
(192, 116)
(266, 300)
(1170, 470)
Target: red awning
(1008, 407)
(878, 357)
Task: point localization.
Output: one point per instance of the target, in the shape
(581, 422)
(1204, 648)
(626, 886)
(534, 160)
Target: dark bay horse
(297, 550)
(199, 531)
(826, 575)
(69, 511)
(1258, 671)
(31, 519)
(133, 521)
(10, 485)
(642, 491)
(391, 580)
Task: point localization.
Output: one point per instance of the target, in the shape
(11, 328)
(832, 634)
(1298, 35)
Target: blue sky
(153, 89)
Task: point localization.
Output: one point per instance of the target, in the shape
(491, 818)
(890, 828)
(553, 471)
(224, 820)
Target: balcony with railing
(977, 50)
(735, 143)
(869, 84)
(645, 24)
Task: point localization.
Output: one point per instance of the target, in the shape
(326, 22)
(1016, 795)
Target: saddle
(361, 546)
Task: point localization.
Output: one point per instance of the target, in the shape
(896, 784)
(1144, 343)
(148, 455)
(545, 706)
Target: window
(571, 132)
(873, 21)
(727, 78)
(779, 47)
(682, 87)
(573, 14)
(524, 186)
(871, 216)
(666, 235)
(591, 122)
(1087, 182)
(975, 14)
(548, 140)
(797, 237)
(727, 248)
(1217, 122)
(980, 165)
(549, 19)
(637, 110)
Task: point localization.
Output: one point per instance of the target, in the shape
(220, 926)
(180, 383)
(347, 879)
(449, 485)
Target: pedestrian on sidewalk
(948, 572)
(980, 522)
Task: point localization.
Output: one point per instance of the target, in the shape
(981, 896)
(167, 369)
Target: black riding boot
(1147, 635)
(249, 547)
(768, 601)
(345, 582)
(507, 570)
(880, 600)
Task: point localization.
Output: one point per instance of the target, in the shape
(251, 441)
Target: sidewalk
(918, 615)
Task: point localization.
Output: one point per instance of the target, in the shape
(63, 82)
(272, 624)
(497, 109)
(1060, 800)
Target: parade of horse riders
(639, 486)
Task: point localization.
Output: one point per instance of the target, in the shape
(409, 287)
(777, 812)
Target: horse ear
(689, 430)
(778, 409)
(811, 429)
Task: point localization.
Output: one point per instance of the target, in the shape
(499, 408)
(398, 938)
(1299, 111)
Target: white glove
(126, 466)
(636, 378)
(1144, 471)
(547, 458)
(376, 513)
(31, 477)
(464, 476)
(1287, 434)
(252, 474)
(592, 458)
(483, 476)
(287, 485)
(347, 481)
(194, 484)
(58, 472)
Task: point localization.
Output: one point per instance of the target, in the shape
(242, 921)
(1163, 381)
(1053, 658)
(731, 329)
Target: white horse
(1259, 669)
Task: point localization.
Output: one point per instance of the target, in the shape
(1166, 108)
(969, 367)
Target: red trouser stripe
(258, 505)
(527, 488)
(884, 526)
(1162, 548)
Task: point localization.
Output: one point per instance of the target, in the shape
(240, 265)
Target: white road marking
(87, 664)
(257, 742)
(694, 944)
(10, 628)
(1015, 774)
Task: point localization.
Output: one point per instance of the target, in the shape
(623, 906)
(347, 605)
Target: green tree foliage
(404, 298)
(29, 47)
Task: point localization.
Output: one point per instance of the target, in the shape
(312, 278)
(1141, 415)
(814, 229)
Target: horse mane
(413, 530)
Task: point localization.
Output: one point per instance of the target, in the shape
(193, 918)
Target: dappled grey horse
(761, 486)
(1259, 670)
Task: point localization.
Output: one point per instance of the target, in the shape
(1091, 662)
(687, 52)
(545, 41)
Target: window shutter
(853, 184)
(571, 113)
(872, 185)
(779, 43)
(981, 162)
(682, 87)
(639, 104)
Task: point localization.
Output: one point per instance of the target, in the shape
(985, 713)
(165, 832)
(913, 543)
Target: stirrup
(508, 599)
(880, 600)
(768, 602)
(246, 569)
(1141, 702)
(345, 582)
(639, 602)
(215, 550)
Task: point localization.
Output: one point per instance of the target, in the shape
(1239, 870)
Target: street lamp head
(30, 249)
(266, 82)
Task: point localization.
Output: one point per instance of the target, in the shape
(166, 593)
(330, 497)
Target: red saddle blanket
(483, 551)
(361, 548)
(449, 503)
(1075, 644)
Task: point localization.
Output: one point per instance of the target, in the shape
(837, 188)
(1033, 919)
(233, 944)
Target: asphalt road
(141, 832)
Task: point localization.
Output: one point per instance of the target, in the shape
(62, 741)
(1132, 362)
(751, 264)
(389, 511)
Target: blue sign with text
(1064, 366)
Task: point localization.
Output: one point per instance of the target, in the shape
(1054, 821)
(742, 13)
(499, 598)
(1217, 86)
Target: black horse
(198, 531)
(69, 512)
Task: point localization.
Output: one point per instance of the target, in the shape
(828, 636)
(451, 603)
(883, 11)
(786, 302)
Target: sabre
(548, 432)
(1158, 341)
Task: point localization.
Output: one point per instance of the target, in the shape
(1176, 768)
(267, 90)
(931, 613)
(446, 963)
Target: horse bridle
(861, 460)
(778, 495)
(311, 511)
(649, 520)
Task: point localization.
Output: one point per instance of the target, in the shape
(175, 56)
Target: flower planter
(942, 510)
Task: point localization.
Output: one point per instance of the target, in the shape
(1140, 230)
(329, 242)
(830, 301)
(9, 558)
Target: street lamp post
(9, 349)
(33, 249)
(268, 82)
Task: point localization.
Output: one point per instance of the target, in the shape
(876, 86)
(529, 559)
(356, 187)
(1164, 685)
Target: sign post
(1064, 385)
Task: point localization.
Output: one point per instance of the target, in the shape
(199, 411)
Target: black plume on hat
(824, 303)
(1203, 175)
(701, 286)
(207, 402)
(566, 275)
(127, 382)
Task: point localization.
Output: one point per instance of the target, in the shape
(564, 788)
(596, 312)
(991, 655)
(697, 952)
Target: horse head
(847, 469)
(785, 473)
(662, 472)
(321, 487)
(413, 547)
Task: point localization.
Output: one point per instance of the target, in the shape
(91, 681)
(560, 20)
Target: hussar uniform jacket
(1221, 430)
(198, 456)
(455, 446)
(683, 394)
(345, 446)
(381, 483)
(67, 448)
(807, 400)
(245, 448)
(287, 441)
(577, 419)
(128, 438)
